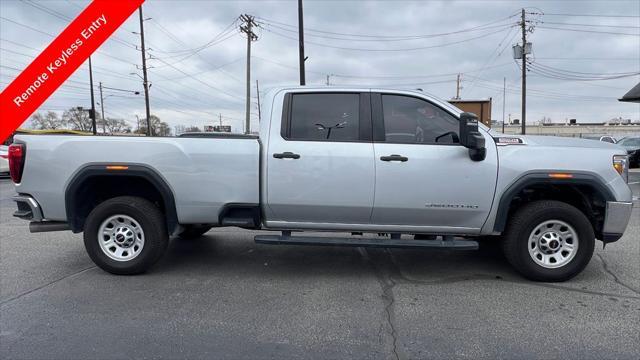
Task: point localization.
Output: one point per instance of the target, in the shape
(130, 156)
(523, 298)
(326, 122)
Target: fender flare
(133, 170)
(537, 178)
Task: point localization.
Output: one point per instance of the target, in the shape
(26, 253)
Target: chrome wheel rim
(121, 237)
(553, 244)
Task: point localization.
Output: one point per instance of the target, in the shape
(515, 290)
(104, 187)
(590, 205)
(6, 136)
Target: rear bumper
(616, 220)
(28, 208)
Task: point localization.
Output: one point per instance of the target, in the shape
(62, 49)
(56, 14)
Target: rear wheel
(549, 241)
(125, 235)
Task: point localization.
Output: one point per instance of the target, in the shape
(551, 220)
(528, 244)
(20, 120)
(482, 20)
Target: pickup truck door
(424, 177)
(319, 160)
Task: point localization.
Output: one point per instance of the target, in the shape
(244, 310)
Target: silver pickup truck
(410, 169)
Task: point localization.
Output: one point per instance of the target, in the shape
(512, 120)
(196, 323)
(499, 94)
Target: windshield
(630, 142)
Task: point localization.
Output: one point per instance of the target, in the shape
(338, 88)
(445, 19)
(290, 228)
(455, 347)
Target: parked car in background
(605, 138)
(4, 161)
(632, 144)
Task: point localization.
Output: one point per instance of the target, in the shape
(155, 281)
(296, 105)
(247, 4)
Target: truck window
(409, 120)
(328, 117)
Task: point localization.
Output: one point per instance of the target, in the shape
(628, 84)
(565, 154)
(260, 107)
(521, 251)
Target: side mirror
(471, 138)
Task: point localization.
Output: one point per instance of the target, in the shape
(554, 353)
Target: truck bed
(203, 173)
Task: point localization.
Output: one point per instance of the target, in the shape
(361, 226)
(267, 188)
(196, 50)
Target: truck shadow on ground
(221, 252)
(231, 254)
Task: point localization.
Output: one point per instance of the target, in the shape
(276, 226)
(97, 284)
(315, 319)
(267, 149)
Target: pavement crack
(615, 277)
(387, 283)
(3, 303)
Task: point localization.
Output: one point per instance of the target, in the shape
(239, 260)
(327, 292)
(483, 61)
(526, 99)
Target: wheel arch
(542, 180)
(137, 175)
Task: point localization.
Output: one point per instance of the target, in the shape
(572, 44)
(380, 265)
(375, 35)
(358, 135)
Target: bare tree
(78, 119)
(48, 121)
(158, 127)
(117, 126)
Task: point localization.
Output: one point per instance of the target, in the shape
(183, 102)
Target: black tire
(194, 231)
(521, 226)
(150, 219)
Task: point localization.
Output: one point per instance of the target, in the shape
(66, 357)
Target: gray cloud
(215, 84)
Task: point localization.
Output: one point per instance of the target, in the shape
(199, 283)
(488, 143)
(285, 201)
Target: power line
(53, 36)
(391, 50)
(211, 42)
(586, 31)
(422, 37)
(561, 74)
(497, 52)
(382, 76)
(61, 16)
(309, 30)
(586, 73)
(592, 25)
(592, 15)
(191, 76)
(81, 67)
(587, 58)
(219, 67)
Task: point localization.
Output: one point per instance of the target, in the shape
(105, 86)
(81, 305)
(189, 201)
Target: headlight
(621, 164)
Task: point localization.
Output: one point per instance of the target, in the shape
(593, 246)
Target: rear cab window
(338, 117)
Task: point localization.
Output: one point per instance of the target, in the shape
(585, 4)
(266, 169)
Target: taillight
(16, 161)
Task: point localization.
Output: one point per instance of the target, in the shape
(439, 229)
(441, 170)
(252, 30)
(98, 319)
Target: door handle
(394, 157)
(286, 155)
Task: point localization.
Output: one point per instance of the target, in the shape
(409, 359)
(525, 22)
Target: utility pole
(247, 28)
(92, 113)
(220, 118)
(144, 73)
(302, 58)
(104, 129)
(504, 99)
(524, 73)
(458, 87)
(258, 95)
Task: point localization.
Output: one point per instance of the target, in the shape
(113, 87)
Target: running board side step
(456, 244)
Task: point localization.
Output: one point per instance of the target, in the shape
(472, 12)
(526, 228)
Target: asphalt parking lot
(223, 296)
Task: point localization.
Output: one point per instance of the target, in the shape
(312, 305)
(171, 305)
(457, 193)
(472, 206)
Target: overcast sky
(198, 55)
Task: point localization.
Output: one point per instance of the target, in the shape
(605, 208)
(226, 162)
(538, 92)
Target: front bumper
(616, 220)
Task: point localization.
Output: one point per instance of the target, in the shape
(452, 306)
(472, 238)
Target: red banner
(60, 59)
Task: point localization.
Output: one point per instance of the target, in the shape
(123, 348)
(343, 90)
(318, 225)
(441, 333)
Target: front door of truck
(319, 160)
(424, 177)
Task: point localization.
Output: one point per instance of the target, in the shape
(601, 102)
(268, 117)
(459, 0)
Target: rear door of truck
(320, 165)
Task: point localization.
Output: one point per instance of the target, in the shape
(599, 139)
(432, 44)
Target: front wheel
(549, 240)
(125, 235)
